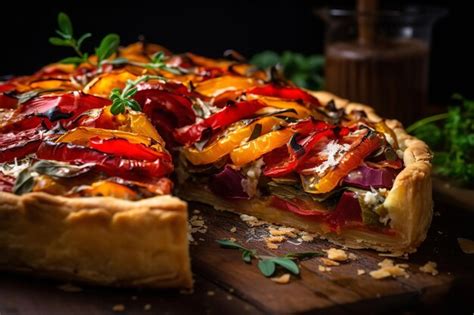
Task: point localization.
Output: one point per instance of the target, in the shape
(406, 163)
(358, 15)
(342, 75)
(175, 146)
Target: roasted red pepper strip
(349, 162)
(230, 114)
(112, 165)
(282, 162)
(5, 100)
(19, 144)
(51, 108)
(123, 148)
(296, 157)
(290, 93)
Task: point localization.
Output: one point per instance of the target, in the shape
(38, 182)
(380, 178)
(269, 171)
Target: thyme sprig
(123, 99)
(108, 45)
(268, 264)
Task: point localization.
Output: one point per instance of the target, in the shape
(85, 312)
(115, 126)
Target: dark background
(209, 28)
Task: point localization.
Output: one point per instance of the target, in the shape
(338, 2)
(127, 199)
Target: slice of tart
(308, 160)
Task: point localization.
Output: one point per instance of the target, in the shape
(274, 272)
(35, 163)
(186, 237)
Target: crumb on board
(147, 307)
(118, 308)
(232, 239)
(430, 267)
(196, 211)
(324, 268)
(275, 239)
(352, 256)
(211, 293)
(229, 297)
(329, 262)
(186, 291)
(360, 272)
(233, 229)
(283, 279)
(67, 287)
(467, 245)
(271, 245)
(388, 269)
(336, 254)
(196, 224)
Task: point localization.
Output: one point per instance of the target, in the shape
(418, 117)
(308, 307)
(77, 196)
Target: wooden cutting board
(226, 285)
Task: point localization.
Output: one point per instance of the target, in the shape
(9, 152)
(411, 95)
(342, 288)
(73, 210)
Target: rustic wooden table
(225, 285)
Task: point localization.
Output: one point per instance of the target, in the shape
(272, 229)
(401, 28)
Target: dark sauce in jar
(391, 76)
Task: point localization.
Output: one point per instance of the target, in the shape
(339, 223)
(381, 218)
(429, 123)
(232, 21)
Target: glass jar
(380, 59)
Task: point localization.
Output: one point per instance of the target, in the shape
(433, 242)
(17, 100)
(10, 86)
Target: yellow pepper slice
(231, 140)
(105, 83)
(302, 111)
(110, 189)
(254, 149)
(214, 87)
(81, 135)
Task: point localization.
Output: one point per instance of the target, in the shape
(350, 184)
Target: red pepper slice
(123, 148)
(50, 108)
(19, 144)
(228, 115)
(5, 100)
(298, 157)
(286, 92)
(349, 162)
(282, 162)
(112, 165)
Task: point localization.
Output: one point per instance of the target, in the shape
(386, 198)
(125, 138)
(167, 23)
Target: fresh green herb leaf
(65, 25)
(123, 99)
(451, 137)
(268, 264)
(287, 263)
(304, 71)
(247, 256)
(82, 39)
(267, 267)
(67, 39)
(72, 60)
(59, 41)
(108, 46)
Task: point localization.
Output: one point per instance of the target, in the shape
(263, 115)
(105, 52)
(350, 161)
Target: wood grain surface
(224, 284)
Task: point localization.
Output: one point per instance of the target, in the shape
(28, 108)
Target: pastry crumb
(118, 308)
(336, 254)
(283, 279)
(147, 307)
(229, 297)
(430, 267)
(467, 245)
(231, 290)
(324, 268)
(211, 293)
(196, 211)
(352, 256)
(67, 287)
(329, 262)
(186, 291)
(232, 239)
(307, 238)
(388, 269)
(251, 220)
(360, 272)
(233, 229)
(271, 245)
(275, 239)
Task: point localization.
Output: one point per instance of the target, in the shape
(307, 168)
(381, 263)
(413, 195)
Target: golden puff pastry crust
(101, 240)
(409, 202)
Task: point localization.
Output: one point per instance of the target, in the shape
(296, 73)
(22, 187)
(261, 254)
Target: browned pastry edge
(100, 240)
